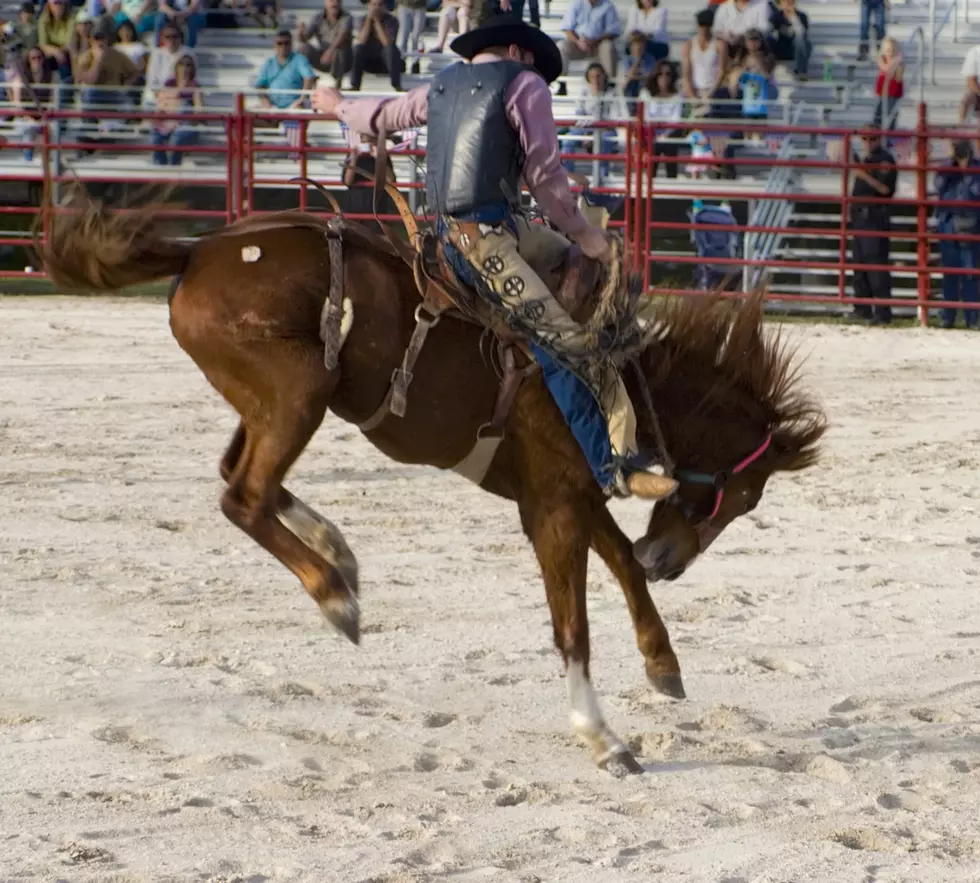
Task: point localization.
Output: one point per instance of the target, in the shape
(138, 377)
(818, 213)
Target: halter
(718, 480)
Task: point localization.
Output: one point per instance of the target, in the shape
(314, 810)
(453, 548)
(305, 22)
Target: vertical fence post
(638, 237)
(628, 196)
(302, 164)
(648, 214)
(844, 197)
(46, 193)
(239, 154)
(922, 215)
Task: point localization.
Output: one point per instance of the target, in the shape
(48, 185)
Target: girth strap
(332, 313)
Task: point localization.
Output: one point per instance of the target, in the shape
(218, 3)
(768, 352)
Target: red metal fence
(241, 179)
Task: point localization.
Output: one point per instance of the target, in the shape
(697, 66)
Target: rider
(490, 124)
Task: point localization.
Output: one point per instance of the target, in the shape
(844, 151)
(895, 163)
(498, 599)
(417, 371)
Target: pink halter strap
(740, 467)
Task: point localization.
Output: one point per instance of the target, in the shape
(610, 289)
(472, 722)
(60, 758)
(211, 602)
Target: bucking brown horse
(246, 307)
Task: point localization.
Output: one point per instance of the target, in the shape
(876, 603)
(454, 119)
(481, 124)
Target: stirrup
(648, 486)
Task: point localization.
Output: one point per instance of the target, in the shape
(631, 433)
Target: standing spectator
(327, 41)
(971, 71)
(871, 9)
(411, 23)
(142, 13)
(455, 16)
(703, 60)
(639, 68)
(649, 19)
(879, 182)
(284, 75)
(375, 50)
(663, 109)
(108, 71)
(180, 13)
(734, 18)
(591, 28)
(791, 37)
(179, 95)
(55, 28)
(959, 182)
(163, 60)
(597, 103)
(32, 90)
(890, 86)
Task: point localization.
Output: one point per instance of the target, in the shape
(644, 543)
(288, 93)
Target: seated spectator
(142, 13)
(81, 39)
(105, 72)
(265, 12)
(591, 28)
(663, 108)
(755, 89)
(791, 37)
(130, 45)
(98, 13)
(703, 60)
(375, 50)
(411, 23)
(454, 17)
(890, 86)
(726, 104)
(871, 9)
(735, 18)
(55, 28)
(959, 182)
(326, 43)
(756, 56)
(971, 71)
(284, 75)
(649, 19)
(180, 14)
(21, 35)
(597, 102)
(179, 95)
(639, 68)
(32, 90)
(163, 61)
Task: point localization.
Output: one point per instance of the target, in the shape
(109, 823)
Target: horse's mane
(723, 341)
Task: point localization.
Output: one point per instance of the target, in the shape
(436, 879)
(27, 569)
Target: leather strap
(332, 313)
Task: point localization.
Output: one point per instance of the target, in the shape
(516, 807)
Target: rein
(720, 479)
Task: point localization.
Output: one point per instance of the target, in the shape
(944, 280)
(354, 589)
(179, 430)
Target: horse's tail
(91, 248)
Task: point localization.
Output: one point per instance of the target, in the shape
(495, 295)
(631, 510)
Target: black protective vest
(473, 155)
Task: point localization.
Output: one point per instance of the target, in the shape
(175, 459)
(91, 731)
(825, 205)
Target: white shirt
(161, 68)
(971, 64)
(133, 51)
(664, 110)
(730, 21)
(652, 22)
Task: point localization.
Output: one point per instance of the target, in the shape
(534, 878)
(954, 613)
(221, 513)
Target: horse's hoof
(621, 764)
(669, 684)
(344, 614)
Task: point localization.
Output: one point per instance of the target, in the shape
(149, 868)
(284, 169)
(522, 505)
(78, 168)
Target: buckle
(424, 317)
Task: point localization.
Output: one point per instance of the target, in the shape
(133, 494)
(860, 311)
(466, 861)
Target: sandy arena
(173, 707)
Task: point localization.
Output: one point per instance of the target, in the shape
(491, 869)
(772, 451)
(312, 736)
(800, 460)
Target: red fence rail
(643, 192)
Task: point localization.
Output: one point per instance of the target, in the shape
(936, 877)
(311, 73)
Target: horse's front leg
(615, 549)
(559, 531)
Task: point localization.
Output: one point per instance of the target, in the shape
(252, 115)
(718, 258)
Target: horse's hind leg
(310, 546)
(614, 547)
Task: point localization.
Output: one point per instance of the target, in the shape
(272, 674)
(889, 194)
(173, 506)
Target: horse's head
(731, 414)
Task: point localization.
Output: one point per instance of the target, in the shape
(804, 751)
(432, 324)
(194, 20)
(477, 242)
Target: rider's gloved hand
(595, 243)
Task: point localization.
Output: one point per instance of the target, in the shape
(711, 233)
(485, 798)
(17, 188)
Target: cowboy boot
(648, 486)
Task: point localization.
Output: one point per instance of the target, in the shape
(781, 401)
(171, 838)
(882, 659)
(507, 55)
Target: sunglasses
(283, 42)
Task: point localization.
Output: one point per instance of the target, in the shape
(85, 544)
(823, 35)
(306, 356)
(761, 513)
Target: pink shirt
(528, 107)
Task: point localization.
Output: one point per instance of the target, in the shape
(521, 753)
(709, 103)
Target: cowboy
(490, 125)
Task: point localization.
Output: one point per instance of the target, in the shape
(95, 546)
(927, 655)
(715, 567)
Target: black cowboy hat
(506, 30)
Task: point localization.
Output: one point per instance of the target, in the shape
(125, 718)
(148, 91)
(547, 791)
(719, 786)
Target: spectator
(455, 16)
(971, 71)
(163, 60)
(591, 28)
(597, 103)
(871, 9)
(411, 23)
(649, 19)
(791, 37)
(98, 13)
(55, 28)
(284, 75)
(81, 39)
(483, 10)
(179, 13)
(179, 95)
(22, 34)
(265, 12)
(664, 109)
(756, 57)
(879, 182)
(734, 18)
(959, 182)
(32, 90)
(726, 104)
(639, 68)
(104, 72)
(130, 45)
(890, 86)
(374, 47)
(703, 60)
(142, 13)
(327, 41)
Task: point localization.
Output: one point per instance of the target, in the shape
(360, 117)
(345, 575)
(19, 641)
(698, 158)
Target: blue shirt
(289, 75)
(592, 22)
(955, 184)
